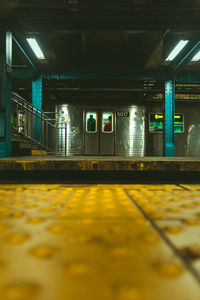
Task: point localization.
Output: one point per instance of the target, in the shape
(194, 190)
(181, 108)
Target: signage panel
(122, 114)
(156, 121)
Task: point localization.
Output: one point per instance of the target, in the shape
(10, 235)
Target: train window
(156, 121)
(91, 122)
(107, 122)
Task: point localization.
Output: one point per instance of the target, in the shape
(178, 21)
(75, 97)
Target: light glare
(176, 50)
(35, 47)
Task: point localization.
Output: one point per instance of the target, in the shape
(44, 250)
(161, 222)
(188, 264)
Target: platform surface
(100, 163)
(99, 242)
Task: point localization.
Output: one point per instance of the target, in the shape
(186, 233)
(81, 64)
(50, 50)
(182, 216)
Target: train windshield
(91, 122)
(107, 122)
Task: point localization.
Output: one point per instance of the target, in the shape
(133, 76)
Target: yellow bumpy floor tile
(108, 242)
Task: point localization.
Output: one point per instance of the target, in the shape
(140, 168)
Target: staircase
(31, 128)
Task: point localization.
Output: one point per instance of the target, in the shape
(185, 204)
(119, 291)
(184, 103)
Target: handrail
(30, 138)
(30, 122)
(33, 108)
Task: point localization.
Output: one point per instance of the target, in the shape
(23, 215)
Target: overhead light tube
(181, 44)
(196, 57)
(35, 47)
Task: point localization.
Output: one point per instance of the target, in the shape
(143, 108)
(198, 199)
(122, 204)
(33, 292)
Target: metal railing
(32, 125)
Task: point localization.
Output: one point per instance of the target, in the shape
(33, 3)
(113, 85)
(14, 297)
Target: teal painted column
(5, 94)
(169, 111)
(37, 102)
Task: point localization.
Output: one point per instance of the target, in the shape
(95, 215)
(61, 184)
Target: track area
(123, 242)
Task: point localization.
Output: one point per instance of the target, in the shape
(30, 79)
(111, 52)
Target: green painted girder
(5, 93)
(122, 75)
(109, 74)
(16, 73)
(115, 74)
(169, 147)
(37, 102)
(26, 57)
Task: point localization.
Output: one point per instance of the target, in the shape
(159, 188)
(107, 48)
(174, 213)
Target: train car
(95, 130)
(187, 129)
(134, 130)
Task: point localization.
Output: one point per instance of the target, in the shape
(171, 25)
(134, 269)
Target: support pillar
(37, 102)
(169, 111)
(5, 94)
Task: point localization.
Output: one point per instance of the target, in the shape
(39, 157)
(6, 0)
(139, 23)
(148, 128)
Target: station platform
(103, 163)
(99, 242)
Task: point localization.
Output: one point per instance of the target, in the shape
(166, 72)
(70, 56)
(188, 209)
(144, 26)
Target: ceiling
(104, 45)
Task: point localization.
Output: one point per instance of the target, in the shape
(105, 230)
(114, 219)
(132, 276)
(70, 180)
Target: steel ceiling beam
(124, 75)
(21, 73)
(26, 57)
(115, 14)
(88, 23)
(155, 53)
(108, 74)
(151, 17)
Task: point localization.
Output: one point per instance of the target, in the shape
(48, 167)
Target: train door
(91, 132)
(99, 132)
(107, 136)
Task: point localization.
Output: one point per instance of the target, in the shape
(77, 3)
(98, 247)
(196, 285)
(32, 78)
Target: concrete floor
(100, 242)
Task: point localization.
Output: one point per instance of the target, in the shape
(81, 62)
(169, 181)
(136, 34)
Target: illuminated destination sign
(156, 123)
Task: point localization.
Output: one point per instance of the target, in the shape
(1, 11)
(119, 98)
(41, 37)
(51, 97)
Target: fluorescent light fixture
(176, 50)
(35, 47)
(196, 57)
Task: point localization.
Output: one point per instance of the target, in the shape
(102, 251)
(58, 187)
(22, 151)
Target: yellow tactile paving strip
(98, 242)
(177, 215)
(191, 186)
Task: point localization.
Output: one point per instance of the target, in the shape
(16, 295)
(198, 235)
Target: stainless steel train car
(93, 130)
(187, 138)
(134, 130)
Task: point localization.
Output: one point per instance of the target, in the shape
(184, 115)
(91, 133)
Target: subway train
(125, 130)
